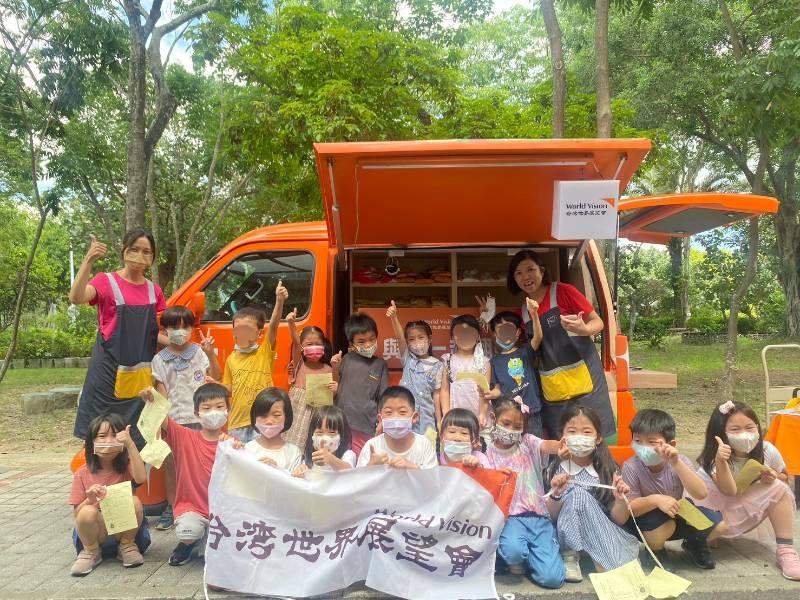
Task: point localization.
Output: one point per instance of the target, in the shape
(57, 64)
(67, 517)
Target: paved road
(35, 555)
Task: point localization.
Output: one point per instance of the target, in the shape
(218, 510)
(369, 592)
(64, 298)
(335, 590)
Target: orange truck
(445, 217)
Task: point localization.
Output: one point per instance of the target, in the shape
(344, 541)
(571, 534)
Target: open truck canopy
(495, 192)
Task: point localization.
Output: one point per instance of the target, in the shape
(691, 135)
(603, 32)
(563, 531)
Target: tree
(555, 42)
(145, 35)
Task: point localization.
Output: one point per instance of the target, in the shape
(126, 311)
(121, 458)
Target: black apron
(561, 352)
(120, 366)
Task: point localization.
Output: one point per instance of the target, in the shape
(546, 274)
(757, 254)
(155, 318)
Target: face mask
(368, 351)
(581, 445)
(108, 448)
(397, 428)
(647, 454)
(743, 442)
(178, 336)
(314, 353)
(504, 345)
(418, 348)
(455, 451)
(248, 350)
(213, 419)
(325, 442)
(505, 436)
(270, 431)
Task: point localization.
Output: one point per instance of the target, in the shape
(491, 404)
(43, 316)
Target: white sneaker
(572, 567)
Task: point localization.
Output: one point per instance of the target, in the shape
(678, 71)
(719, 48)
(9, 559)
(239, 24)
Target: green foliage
(47, 343)
(653, 330)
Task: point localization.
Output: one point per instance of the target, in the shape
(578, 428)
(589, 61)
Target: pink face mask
(314, 353)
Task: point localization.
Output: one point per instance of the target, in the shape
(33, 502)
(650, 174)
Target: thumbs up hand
(336, 360)
(96, 250)
(723, 450)
(391, 312)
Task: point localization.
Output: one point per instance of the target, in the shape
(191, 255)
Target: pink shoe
(789, 562)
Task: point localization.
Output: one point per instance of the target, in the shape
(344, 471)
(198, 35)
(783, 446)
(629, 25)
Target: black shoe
(698, 551)
(182, 554)
(662, 556)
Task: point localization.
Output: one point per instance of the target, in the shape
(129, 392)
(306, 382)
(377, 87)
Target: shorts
(244, 434)
(190, 527)
(655, 519)
(109, 548)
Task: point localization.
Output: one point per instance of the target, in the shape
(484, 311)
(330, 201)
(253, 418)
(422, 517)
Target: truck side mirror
(198, 305)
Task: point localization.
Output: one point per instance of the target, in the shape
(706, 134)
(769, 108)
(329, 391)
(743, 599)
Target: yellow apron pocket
(131, 381)
(563, 383)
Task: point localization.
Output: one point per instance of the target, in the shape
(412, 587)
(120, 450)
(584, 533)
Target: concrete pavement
(36, 554)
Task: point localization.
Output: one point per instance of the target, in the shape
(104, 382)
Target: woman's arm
(81, 292)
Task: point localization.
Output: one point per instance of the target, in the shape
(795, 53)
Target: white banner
(415, 534)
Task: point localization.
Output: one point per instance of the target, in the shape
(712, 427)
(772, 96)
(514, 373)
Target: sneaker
(572, 567)
(129, 555)
(85, 563)
(789, 562)
(699, 552)
(167, 521)
(517, 569)
(182, 554)
(663, 557)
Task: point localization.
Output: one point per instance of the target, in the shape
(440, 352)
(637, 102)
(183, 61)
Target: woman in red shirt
(127, 307)
(569, 365)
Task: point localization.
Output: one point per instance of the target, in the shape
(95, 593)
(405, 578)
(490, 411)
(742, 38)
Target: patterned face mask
(504, 436)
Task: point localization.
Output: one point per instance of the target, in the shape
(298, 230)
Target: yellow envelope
(153, 415)
(624, 583)
(155, 452)
(663, 584)
(117, 508)
(747, 476)
(317, 392)
(692, 515)
(478, 378)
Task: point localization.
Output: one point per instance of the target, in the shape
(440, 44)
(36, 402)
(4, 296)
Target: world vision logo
(609, 201)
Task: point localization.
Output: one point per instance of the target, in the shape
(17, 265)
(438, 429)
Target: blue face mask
(647, 454)
(505, 346)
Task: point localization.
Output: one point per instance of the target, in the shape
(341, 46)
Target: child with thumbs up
(111, 458)
(311, 355)
(248, 369)
(178, 370)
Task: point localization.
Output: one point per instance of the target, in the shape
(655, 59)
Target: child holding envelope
(658, 476)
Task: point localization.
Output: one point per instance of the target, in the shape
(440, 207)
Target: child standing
(460, 437)
(178, 370)
(422, 373)
(328, 444)
(734, 436)
(271, 415)
(588, 518)
(362, 378)
(467, 358)
(513, 373)
(528, 541)
(111, 457)
(657, 477)
(311, 354)
(398, 446)
(248, 369)
(194, 453)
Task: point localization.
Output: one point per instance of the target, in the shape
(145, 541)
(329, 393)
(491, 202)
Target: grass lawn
(45, 433)
(699, 370)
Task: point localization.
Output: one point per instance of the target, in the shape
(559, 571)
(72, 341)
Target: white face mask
(213, 419)
(743, 442)
(325, 442)
(455, 451)
(248, 350)
(178, 336)
(581, 445)
(418, 348)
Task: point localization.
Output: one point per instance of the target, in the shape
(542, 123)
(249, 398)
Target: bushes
(704, 320)
(36, 342)
(652, 330)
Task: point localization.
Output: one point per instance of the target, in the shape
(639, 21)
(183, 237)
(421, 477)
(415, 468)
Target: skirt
(301, 419)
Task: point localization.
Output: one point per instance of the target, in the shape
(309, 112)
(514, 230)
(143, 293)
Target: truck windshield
(251, 279)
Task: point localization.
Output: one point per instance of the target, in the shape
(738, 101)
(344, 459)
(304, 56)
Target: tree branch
(190, 14)
(174, 42)
(101, 212)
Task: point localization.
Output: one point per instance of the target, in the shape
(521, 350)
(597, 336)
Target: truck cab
(431, 225)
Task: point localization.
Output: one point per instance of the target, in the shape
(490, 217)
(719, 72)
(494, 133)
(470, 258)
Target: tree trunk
(631, 320)
(787, 231)
(554, 39)
(678, 280)
(137, 157)
(729, 373)
(602, 84)
(12, 345)
(151, 200)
